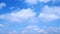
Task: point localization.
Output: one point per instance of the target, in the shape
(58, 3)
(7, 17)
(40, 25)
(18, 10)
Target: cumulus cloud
(18, 16)
(37, 30)
(48, 17)
(50, 13)
(2, 5)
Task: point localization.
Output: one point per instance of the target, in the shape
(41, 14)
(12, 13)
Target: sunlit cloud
(21, 15)
(49, 13)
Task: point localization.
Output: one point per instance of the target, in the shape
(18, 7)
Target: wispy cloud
(1, 25)
(31, 1)
(12, 32)
(44, 1)
(37, 30)
(2, 5)
(30, 30)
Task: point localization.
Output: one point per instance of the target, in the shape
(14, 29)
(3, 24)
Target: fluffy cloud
(48, 17)
(37, 30)
(18, 16)
(2, 5)
(50, 13)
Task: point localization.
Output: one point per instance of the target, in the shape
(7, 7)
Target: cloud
(36, 1)
(44, 1)
(36, 30)
(49, 13)
(1, 25)
(2, 5)
(30, 30)
(21, 15)
(48, 17)
(12, 32)
(53, 30)
(31, 1)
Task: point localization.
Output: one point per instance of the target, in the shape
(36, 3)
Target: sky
(29, 16)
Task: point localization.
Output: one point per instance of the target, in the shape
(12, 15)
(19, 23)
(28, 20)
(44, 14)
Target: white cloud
(33, 30)
(2, 5)
(12, 32)
(18, 16)
(36, 30)
(44, 1)
(36, 1)
(53, 30)
(48, 17)
(31, 1)
(50, 13)
(1, 25)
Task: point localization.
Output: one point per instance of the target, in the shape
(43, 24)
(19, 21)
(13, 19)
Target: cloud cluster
(32, 2)
(32, 30)
(37, 30)
(47, 14)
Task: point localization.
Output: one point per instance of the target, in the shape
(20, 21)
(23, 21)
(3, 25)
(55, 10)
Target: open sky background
(29, 16)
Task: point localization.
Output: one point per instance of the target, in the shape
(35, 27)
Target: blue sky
(29, 16)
